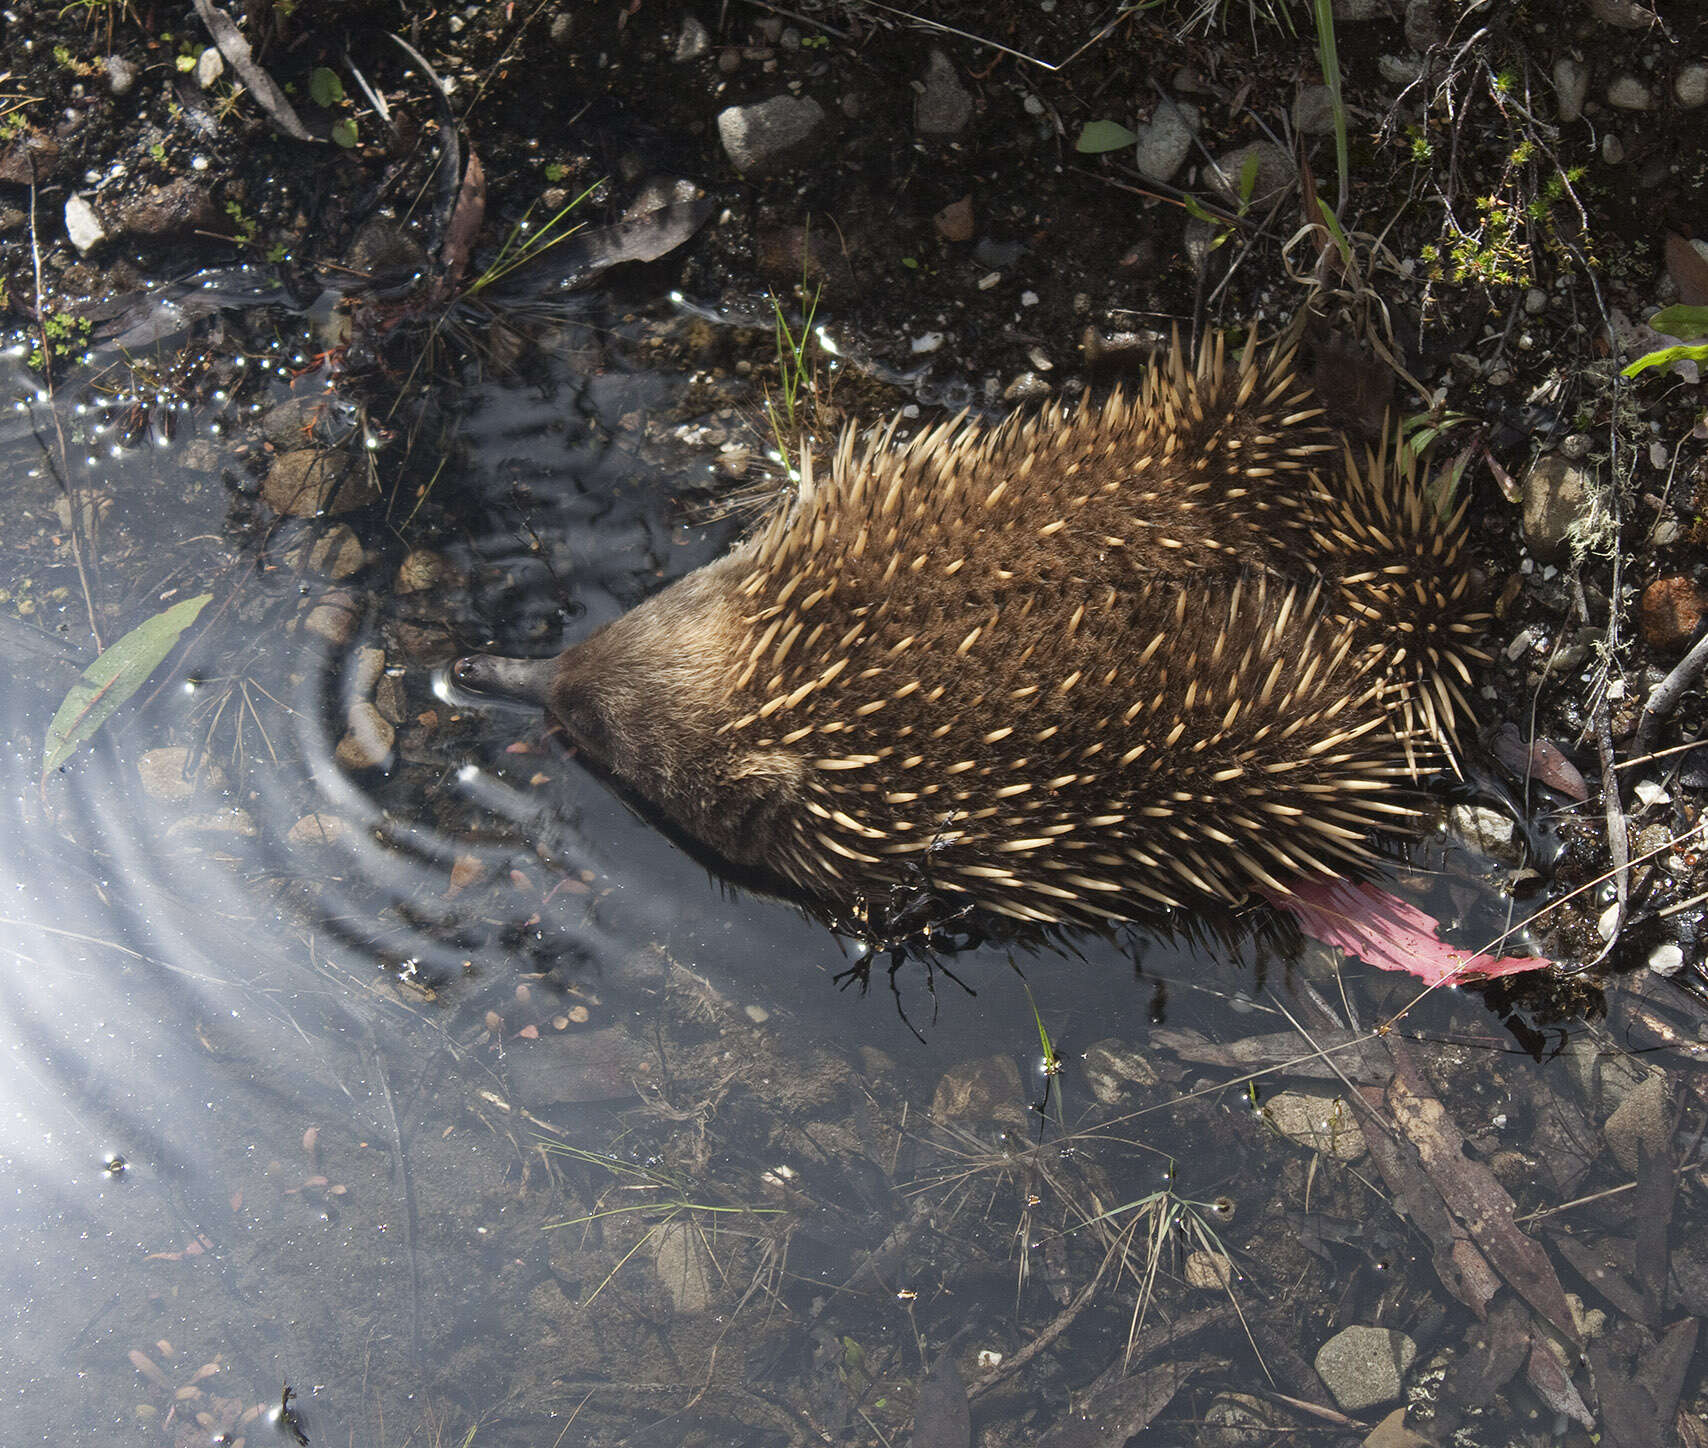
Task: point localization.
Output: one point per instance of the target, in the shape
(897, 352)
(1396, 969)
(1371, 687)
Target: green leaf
(114, 677)
(1247, 181)
(344, 134)
(1100, 136)
(324, 87)
(1681, 321)
(1666, 356)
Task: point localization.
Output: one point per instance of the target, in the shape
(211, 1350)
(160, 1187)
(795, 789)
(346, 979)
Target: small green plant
(785, 412)
(242, 227)
(556, 171)
(63, 335)
(1681, 322)
(158, 152)
(521, 247)
(324, 87)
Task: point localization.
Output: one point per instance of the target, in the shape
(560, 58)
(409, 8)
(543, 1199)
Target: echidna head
(645, 699)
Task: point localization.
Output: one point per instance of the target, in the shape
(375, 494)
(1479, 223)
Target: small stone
(1650, 793)
(768, 135)
(422, 569)
(1557, 499)
(1365, 1367)
(29, 160)
(317, 829)
(1317, 1120)
(955, 221)
(1624, 14)
(337, 552)
(1612, 149)
(1165, 140)
(1027, 387)
(210, 66)
(679, 1258)
(1424, 26)
(1670, 610)
(1487, 829)
(236, 822)
(1535, 301)
(365, 669)
(1112, 1067)
(944, 107)
(1399, 70)
(334, 617)
(1208, 1271)
(1252, 175)
(1690, 85)
(1627, 93)
(1666, 959)
(1571, 88)
(1313, 111)
(162, 772)
(981, 1092)
(392, 699)
(308, 481)
(82, 225)
(121, 75)
(694, 41)
(369, 739)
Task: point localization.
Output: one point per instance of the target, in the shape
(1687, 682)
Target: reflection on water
(355, 1040)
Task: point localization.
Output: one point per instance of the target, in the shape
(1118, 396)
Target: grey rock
(1627, 93)
(1424, 26)
(768, 135)
(1272, 175)
(1487, 829)
(1165, 140)
(1365, 1367)
(1690, 85)
(1313, 111)
(694, 41)
(945, 106)
(210, 66)
(1557, 496)
(1571, 88)
(1623, 14)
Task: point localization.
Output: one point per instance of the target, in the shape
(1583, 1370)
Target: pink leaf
(1382, 930)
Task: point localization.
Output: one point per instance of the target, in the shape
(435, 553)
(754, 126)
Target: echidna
(1163, 649)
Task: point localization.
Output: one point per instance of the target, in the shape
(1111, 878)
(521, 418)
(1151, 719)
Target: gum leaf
(114, 677)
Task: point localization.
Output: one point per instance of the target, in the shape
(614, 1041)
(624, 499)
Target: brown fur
(1161, 649)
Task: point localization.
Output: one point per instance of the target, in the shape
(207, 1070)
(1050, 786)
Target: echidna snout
(1166, 648)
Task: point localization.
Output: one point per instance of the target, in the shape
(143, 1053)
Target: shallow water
(292, 1050)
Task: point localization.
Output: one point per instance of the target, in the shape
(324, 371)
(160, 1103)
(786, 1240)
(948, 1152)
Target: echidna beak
(527, 681)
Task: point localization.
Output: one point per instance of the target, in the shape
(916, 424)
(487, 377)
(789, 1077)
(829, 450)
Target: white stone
(1666, 960)
(82, 225)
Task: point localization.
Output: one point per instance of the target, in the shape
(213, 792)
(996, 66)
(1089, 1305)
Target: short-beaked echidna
(1162, 649)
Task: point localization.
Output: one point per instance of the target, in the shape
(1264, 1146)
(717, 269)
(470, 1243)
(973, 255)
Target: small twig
(75, 523)
(1664, 697)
